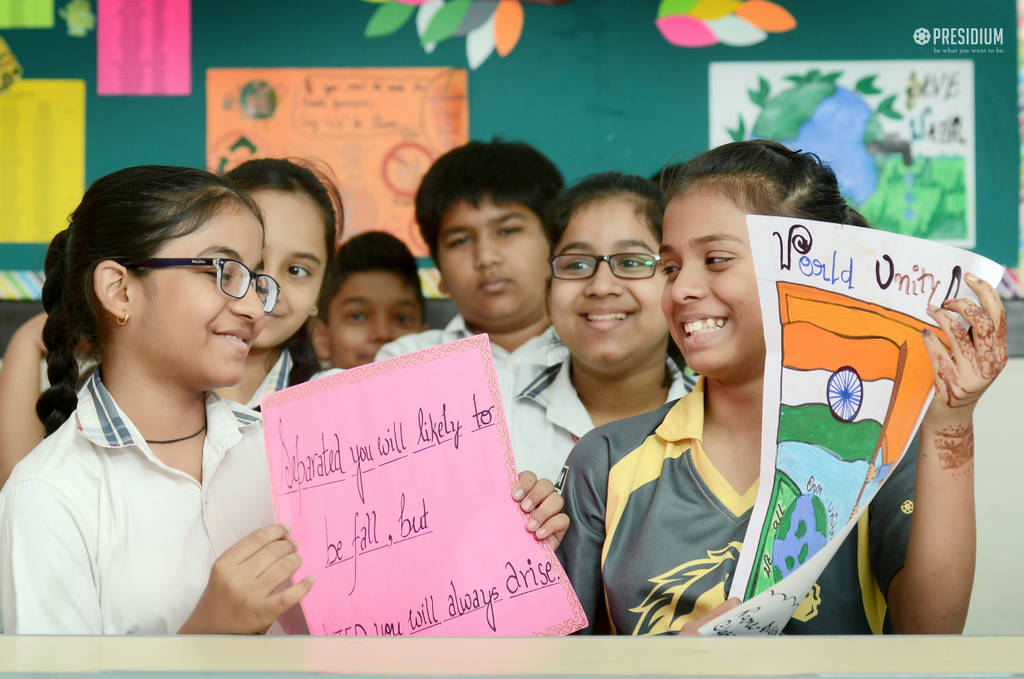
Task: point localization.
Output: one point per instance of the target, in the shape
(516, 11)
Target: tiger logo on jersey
(659, 613)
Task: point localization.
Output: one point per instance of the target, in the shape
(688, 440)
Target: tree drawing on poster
(847, 380)
(489, 26)
(378, 130)
(900, 134)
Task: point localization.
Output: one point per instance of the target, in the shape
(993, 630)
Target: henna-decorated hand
(978, 354)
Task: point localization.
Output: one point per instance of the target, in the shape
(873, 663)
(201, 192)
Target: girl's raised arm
(932, 592)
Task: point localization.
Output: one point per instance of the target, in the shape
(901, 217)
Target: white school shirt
(277, 378)
(547, 418)
(534, 354)
(98, 536)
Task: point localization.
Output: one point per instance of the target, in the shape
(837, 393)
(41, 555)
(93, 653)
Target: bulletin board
(594, 84)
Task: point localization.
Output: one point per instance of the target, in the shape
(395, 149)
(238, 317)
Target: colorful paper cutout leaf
(479, 12)
(714, 9)
(767, 16)
(424, 15)
(446, 21)
(480, 43)
(388, 18)
(508, 26)
(671, 7)
(685, 31)
(735, 32)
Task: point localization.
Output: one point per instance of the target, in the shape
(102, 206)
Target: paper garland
(703, 23)
(489, 26)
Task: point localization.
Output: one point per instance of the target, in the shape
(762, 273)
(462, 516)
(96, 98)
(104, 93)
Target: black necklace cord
(183, 438)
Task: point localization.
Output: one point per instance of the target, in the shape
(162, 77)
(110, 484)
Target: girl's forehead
(608, 219)
(231, 231)
(698, 215)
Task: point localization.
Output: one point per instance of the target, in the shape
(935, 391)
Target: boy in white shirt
(480, 209)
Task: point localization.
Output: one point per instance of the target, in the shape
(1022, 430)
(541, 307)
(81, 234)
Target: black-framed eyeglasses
(233, 277)
(623, 265)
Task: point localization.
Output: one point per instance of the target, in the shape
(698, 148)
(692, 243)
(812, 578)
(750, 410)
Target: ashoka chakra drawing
(845, 394)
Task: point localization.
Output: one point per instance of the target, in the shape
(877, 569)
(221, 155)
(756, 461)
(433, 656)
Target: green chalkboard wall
(591, 83)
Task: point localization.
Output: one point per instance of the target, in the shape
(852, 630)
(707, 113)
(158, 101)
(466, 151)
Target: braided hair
(125, 216)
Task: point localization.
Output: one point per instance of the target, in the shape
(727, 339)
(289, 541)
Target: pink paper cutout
(396, 478)
(144, 47)
(686, 31)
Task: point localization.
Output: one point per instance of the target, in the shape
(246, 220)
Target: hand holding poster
(847, 381)
(396, 479)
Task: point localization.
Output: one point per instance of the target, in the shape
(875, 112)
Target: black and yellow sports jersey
(656, 532)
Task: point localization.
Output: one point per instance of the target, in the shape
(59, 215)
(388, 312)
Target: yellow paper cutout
(10, 69)
(42, 158)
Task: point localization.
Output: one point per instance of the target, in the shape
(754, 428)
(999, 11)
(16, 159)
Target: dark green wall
(591, 83)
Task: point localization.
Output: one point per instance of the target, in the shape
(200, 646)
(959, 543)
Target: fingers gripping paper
(847, 381)
(397, 478)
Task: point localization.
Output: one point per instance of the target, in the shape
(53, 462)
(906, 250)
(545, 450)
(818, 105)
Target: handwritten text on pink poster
(396, 479)
(144, 47)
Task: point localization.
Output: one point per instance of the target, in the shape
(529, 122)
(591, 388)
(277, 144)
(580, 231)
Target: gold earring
(120, 322)
(314, 311)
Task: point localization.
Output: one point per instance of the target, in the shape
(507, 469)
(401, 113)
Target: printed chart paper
(396, 478)
(144, 47)
(847, 382)
(378, 129)
(899, 134)
(42, 158)
(26, 14)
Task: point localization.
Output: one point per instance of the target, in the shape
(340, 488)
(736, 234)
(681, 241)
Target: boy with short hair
(480, 209)
(372, 296)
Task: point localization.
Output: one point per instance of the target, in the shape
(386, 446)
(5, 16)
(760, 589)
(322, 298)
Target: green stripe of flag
(814, 424)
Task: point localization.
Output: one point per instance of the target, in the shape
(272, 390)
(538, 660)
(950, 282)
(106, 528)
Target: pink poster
(144, 47)
(396, 478)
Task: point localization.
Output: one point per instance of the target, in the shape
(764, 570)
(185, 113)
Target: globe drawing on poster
(899, 134)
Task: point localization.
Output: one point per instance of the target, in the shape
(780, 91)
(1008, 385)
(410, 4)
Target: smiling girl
(147, 508)
(660, 502)
(298, 204)
(604, 303)
(303, 213)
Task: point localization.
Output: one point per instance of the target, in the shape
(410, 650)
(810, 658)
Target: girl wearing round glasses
(301, 209)
(147, 508)
(604, 302)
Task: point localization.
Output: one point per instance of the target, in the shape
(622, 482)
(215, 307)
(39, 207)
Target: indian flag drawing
(855, 377)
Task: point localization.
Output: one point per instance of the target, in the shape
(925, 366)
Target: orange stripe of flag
(808, 347)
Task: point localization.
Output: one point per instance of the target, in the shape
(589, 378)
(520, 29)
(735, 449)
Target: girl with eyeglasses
(604, 303)
(661, 502)
(302, 213)
(147, 508)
